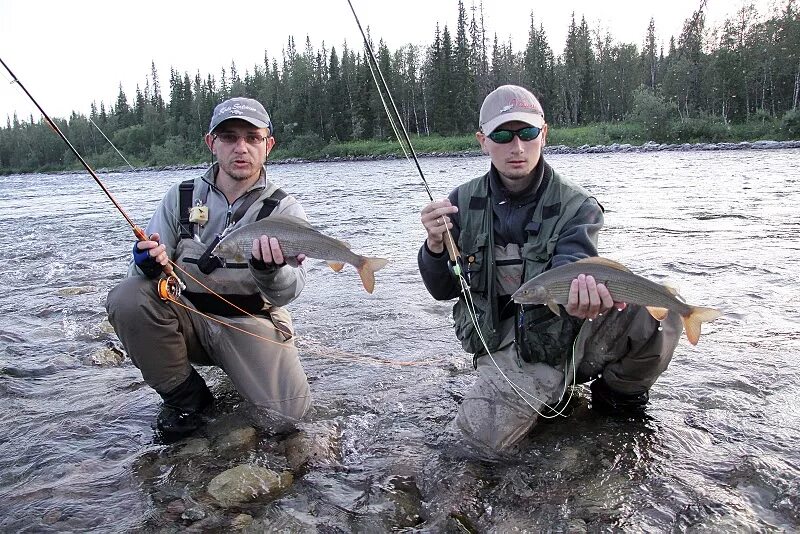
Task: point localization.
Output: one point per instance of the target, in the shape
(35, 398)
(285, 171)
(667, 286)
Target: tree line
(746, 71)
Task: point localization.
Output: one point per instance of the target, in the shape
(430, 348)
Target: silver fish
(552, 288)
(297, 236)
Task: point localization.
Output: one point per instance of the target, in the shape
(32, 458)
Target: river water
(717, 452)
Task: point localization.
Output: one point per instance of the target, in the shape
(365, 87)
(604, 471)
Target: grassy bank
(700, 130)
(697, 130)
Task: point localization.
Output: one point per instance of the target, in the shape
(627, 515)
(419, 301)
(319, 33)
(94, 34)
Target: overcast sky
(70, 53)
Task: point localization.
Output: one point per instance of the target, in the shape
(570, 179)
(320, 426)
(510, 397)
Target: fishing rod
(169, 286)
(450, 245)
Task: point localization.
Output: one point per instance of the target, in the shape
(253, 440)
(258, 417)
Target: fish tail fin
(367, 271)
(693, 321)
(336, 265)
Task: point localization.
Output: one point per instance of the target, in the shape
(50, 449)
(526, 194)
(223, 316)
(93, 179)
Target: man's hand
(155, 250)
(268, 250)
(588, 299)
(151, 257)
(434, 218)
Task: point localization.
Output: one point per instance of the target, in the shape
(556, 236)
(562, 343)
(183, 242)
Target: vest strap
(270, 203)
(208, 263)
(185, 193)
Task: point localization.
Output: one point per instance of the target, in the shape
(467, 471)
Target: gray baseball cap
(242, 108)
(510, 103)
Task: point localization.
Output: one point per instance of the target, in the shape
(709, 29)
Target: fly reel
(169, 288)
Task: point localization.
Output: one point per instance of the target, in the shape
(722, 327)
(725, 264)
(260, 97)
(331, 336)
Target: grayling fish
(296, 236)
(552, 288)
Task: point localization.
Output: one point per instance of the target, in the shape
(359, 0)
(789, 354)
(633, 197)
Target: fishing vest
(230, 280)
(540, 334)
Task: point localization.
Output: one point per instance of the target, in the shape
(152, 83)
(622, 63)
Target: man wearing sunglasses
(516, 221)
(164, 339)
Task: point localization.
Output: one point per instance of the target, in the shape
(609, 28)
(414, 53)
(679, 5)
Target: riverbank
(553, 149)
(584, 149)
(550, 149)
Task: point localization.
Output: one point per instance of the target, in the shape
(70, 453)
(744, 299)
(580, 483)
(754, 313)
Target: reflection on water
(717, 451)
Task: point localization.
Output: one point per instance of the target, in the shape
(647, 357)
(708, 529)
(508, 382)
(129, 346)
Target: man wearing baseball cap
(248, 334)
(514, 222)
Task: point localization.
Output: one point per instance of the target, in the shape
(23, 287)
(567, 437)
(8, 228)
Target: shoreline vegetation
(577, 140)
(465, 146)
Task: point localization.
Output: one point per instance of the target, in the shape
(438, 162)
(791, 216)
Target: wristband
(141, 257)
(261, 265)
(146, 263)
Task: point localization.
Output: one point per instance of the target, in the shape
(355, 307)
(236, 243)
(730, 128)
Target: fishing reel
(169, 288)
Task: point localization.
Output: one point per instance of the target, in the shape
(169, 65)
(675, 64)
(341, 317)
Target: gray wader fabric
(492, 413)
(163, 339)
(629, 348)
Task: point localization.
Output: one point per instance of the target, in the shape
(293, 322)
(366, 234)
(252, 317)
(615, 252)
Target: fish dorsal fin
(673, 290)
(293, 220)
(597, 260)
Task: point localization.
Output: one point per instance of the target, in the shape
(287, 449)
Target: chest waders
(230, 280)
(492, 272)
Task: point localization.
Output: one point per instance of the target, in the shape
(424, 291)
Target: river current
(718, 450)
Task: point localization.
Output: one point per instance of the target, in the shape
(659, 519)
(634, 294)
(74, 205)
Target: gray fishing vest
(541, 335)
(230, 280)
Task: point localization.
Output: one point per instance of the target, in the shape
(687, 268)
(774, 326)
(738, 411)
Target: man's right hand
(434, 218)
(155, 250)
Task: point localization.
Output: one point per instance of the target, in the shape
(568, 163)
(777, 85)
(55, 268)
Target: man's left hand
(268, 250)
(588, 299)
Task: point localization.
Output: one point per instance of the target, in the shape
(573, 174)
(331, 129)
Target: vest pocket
(535, 257)
(465, 328)
(545, 337)
(474, 257)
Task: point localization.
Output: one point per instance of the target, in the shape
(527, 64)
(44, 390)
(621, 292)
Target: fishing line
(112, 144)
(323, 352)
(450, 244)
(136, 230)
(140, 235)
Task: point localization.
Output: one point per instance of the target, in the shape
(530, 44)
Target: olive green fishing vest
(558, 204)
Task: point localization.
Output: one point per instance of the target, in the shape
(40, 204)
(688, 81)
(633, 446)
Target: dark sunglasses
(529, 133)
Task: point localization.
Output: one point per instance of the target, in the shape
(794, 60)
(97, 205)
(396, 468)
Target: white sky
(70, 53)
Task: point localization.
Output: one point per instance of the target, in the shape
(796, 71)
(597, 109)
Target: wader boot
(609, 402)
(181, 413)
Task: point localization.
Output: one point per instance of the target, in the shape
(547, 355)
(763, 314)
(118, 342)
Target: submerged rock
(53, 516)
(70, 291)
(192, 447)
(314, 445)
(241, 521)
(237, 438)
(105, 357)
(106, 327)
(247, 482)
(406, 499)
(193, 514)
